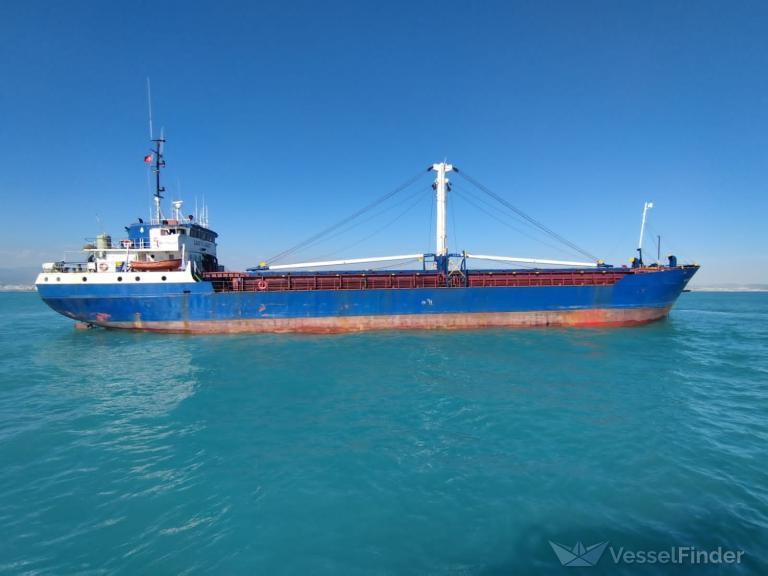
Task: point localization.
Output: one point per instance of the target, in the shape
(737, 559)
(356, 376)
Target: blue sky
(286, 116)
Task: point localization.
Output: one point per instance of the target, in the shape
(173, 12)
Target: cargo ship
(165, 276)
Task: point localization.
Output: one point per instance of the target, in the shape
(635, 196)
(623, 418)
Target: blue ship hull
(197, 307)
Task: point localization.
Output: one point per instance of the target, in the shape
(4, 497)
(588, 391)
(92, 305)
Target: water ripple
(419, 453)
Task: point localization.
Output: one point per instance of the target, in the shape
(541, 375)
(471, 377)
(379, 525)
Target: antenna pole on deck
(149, 107)
(658, 248)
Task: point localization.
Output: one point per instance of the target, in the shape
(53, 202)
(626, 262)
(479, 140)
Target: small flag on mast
(148, 158)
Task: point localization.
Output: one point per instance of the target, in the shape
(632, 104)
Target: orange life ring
(261, 284)
(103, 266)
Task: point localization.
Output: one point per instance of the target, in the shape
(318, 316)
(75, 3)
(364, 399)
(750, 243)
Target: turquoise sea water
(389, 453)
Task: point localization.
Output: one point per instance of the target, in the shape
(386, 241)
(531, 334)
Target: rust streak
(587, 318)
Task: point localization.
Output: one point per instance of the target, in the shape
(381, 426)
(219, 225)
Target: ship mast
(159, 164)
(157, 154)
(441, 186)
(646, 206)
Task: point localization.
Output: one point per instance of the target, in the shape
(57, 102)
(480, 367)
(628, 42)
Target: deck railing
(122, 244)
(63, 266)
(242, 282)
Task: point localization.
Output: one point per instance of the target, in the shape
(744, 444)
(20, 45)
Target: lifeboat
(155, 265)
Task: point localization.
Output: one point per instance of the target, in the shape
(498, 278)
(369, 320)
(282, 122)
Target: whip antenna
(149, 107)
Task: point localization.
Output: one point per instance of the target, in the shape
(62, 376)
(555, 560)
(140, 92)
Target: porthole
(85, 279)
(163, 278)
(138, 278)
(119, 278)
(58, 279)
(46, 278)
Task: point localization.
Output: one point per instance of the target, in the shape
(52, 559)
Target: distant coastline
(17, 288)
(730, 288)
(18, 279)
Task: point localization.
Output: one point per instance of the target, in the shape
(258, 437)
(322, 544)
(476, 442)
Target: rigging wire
(411, 206)
(491, 205)
(373, 216)
(493, 210)
(470, 198)
(349, 218)
(525, 216)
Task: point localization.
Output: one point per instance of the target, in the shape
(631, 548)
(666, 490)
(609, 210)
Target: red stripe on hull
(587, 318)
